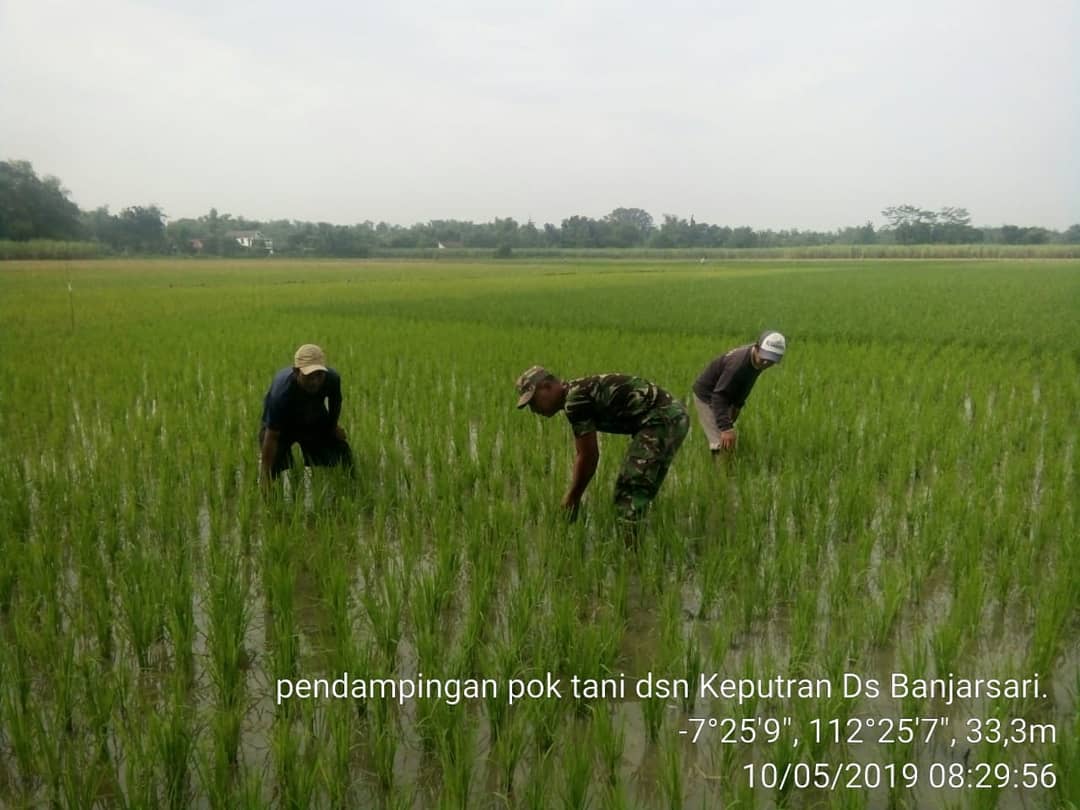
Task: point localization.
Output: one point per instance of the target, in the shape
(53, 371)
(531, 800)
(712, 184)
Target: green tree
(629, 227)
(101, 226)
(33, 207)
(142, 229)
(953, 226)
(910, 224)
(581, 232)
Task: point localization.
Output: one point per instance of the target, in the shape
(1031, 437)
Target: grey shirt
(726, 383)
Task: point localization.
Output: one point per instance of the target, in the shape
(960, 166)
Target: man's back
(612, 403)
(732, 374)
(288, 407)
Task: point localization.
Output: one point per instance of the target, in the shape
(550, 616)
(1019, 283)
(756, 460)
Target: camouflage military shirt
(614, 403)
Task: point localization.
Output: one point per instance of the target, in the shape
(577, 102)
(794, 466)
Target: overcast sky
(778, 114)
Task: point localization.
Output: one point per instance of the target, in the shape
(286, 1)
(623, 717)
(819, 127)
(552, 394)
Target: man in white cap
(302, 406)
(721, 390)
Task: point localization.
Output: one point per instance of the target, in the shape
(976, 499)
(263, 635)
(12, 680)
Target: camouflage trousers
(651, 451)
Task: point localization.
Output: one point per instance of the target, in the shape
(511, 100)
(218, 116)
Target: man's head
(541, 390)
(769, 349)
(309, 367)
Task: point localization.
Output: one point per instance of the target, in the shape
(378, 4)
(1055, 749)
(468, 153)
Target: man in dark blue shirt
(303, 406)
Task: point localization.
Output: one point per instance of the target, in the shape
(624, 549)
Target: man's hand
(571, 506)
(727, 440)
(339, 433)
(266, 458)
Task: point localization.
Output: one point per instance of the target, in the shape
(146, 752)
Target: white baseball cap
(771, 346)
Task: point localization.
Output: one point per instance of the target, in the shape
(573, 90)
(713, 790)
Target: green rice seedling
(619, 592)
(522, 625)
(477, 621)
(295, 771)
(546, 717)
(50, 756)
(428, 600)
(338, 753)
(456, 754)
(19, 719)
(576, 772)
(335, 587)
(852, 800)
(1052, 615)
(382, 743)
(952, 634)
(607, 740)
(81, 784)
(804, 628)
(180, 619)
(250, 792)
(138, 777)
(16, 494)
(229, 614)
(100, 700)
(285, 644)
(173, 740)
(652, 712)
(710, 578)
(613, 797)
(672, 786)
(383, 602)
(536, 793)
(225, 728)
(500, 664)
(894, 584)
(63, 688)
(591, 653)
(427, 724)
(692, 668)
(1066, 792)
(509, 747)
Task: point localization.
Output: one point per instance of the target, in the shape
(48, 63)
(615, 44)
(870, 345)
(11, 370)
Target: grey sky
(770, 114)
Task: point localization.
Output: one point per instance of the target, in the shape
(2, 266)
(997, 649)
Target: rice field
(902, 505)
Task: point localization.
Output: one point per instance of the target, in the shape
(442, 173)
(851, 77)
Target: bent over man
(612, 403)
(302, 406)
(721, 390)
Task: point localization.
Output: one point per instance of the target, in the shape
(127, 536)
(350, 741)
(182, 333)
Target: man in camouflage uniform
(612, 403)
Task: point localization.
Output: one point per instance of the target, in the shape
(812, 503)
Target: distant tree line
(40, 208)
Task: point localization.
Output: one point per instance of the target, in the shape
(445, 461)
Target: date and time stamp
(943, 733)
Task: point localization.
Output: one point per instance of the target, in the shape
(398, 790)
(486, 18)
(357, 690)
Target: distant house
(251, 239)
(196, 245)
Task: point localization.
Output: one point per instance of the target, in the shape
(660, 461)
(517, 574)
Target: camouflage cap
(527, 382)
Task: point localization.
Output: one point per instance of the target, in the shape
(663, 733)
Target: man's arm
(723, 411)
(333, 402)
(721, 400)
(585, 461)
(269, 452)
